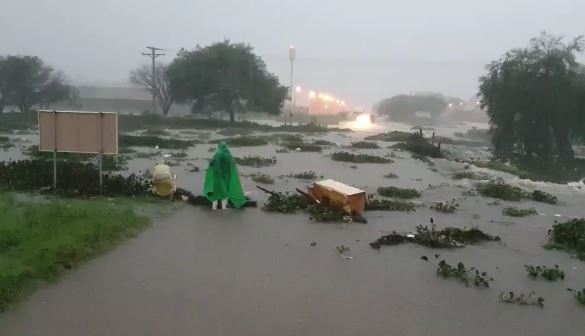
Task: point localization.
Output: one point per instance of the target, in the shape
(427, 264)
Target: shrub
(445, 207)
(544, 197)
(501, 191)
(548, 273)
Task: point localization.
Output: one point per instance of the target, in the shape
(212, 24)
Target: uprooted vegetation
(431, 237)
(73, 179)
(255, 161)
(359, 158)
(154, 141)
(389, 205)
(507, 192)
(518, 212)
(549, 273)
(530, 299)
(467, 276)
(569, 236)
(365, 145)
(396, 192)
(446, 207)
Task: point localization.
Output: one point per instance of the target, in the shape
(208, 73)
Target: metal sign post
(54, 152)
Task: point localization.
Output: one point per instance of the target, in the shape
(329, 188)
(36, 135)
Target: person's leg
(224, 203)
(214, 205)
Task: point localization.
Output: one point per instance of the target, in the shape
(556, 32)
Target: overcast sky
(360, 50)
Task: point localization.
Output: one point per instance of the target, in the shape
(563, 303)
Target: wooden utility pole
(153, 54)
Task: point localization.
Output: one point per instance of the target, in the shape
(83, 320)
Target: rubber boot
(214, 205)
(224, 203)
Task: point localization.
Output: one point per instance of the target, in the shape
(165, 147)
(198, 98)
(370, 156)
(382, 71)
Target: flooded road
(199, 272)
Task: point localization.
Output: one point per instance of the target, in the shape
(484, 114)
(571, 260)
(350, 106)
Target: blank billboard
(78, 132)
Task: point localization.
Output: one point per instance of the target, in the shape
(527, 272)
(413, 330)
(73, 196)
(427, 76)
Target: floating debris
(517, 212)
(548, 273)
(529, 299)
(405, 193)
(391, 176)
(431, 237)
(342, 249)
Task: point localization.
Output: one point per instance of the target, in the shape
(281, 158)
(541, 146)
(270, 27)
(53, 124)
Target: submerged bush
(398, 192)
(153, 141)
(569, 236)
(365, 144)
(285, 203)
(544, 197)
(417, 144)
(501, 191)
(548, 273)
(579, 295)
(468, 276)
(446, 207)
(389, 205)
(255, 161)
(359, 158)
(517, 212)
(262, 178)
(308, 175)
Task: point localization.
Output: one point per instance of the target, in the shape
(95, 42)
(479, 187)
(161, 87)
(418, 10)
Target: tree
(404, 107)
(535, 99)
(26, 81)
(226, 76)
(158, 85)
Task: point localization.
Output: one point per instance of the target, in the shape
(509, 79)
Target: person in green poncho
(222, 182)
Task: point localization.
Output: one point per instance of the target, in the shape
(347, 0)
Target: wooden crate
(338, 195)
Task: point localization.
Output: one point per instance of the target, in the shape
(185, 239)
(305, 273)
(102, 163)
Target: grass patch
(365, 144)
(255, 161)
(39, 242)
(153, 141)
(396, 192)
(518, 212)
(359, 158)
(569, 236)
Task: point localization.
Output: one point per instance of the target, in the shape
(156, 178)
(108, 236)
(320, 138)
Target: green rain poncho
(221, 178)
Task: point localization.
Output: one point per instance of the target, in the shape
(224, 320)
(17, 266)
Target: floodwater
(203, 272)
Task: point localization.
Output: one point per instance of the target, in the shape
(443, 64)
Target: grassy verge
(39, 242)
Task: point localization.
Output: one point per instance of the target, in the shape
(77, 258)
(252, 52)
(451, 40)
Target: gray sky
(361, 51)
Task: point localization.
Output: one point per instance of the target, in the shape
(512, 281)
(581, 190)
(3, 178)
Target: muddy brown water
(199, 272)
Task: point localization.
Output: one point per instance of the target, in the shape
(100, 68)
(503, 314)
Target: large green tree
(403, 107)
(225, 76)
(535, 99)
(26, 81)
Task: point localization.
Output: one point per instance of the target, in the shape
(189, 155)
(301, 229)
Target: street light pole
(292, 55)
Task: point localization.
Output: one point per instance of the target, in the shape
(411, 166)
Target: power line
(153, 54)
